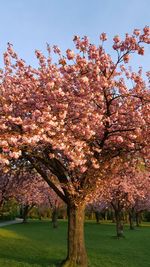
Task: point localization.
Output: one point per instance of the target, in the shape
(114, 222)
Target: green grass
(37, 244)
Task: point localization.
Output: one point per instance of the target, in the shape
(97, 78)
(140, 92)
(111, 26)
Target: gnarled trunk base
(77, 256)
(71, 263)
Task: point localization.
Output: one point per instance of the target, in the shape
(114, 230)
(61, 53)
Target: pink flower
(6, 59)
(136, 32)
(116, 39)
(70, 54)
(84, 80)
(83, 169)
(103, 36)
(126, 58)
(56, 50)
(119, 139)
(62, 61)
(131, 145)
(15, 155)
(141, 51)
(5, 149)
(146, 30)
(50, 85)
(21, 63)
(116, 46)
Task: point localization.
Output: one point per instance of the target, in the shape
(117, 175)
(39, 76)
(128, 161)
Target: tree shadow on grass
(22, 262)
(33, 244)
(35, 261)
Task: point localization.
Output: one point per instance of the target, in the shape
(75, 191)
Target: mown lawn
(37, 244)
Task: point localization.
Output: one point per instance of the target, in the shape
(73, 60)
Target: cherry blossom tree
(72, 117)
(37, 193)
(140, 206)
(7, 181)
(97, 206)
(34, 191)
(28, 188)
(30, 191)
(125, 185)
(55, 204)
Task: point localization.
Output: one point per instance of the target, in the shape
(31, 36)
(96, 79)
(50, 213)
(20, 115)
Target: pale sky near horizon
(29, 24)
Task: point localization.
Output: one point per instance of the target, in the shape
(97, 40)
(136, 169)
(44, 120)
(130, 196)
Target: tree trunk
(76, 246)
(25, 213)
(113, 217)
(119, 223)
(137, 218)
(26, 210)
(106, 215)
(21, 211)
(97, 216)
(131, 220)
(55, 217)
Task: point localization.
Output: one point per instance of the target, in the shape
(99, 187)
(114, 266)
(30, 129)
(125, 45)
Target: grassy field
(37, 244)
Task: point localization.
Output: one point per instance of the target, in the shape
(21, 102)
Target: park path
(18, 220)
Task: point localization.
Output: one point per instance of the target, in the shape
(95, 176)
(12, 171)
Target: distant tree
(125, 186)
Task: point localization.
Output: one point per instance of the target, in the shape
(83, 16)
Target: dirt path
(18, 220)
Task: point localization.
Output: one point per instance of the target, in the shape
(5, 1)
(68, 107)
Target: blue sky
(29, 24)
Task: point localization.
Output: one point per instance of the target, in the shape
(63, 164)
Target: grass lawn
(37, 244)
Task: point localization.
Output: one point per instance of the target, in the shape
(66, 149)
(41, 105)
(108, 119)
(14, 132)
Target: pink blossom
(141, 51)
(146, 30)
(70, 54)
(103, 36)
(56, 50)
(62, 61)
(126, 58)
(119, 139)
(117, 39)
(137, 32)
(84, 80)
(50, 85)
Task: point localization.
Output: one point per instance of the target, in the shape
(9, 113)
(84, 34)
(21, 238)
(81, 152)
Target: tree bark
(55, 218)
(26, 210)
(77, 255)
(25, 213)
(131, 219)
(119, 223)
(138, 218)
(97, 216)
(106, 215)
